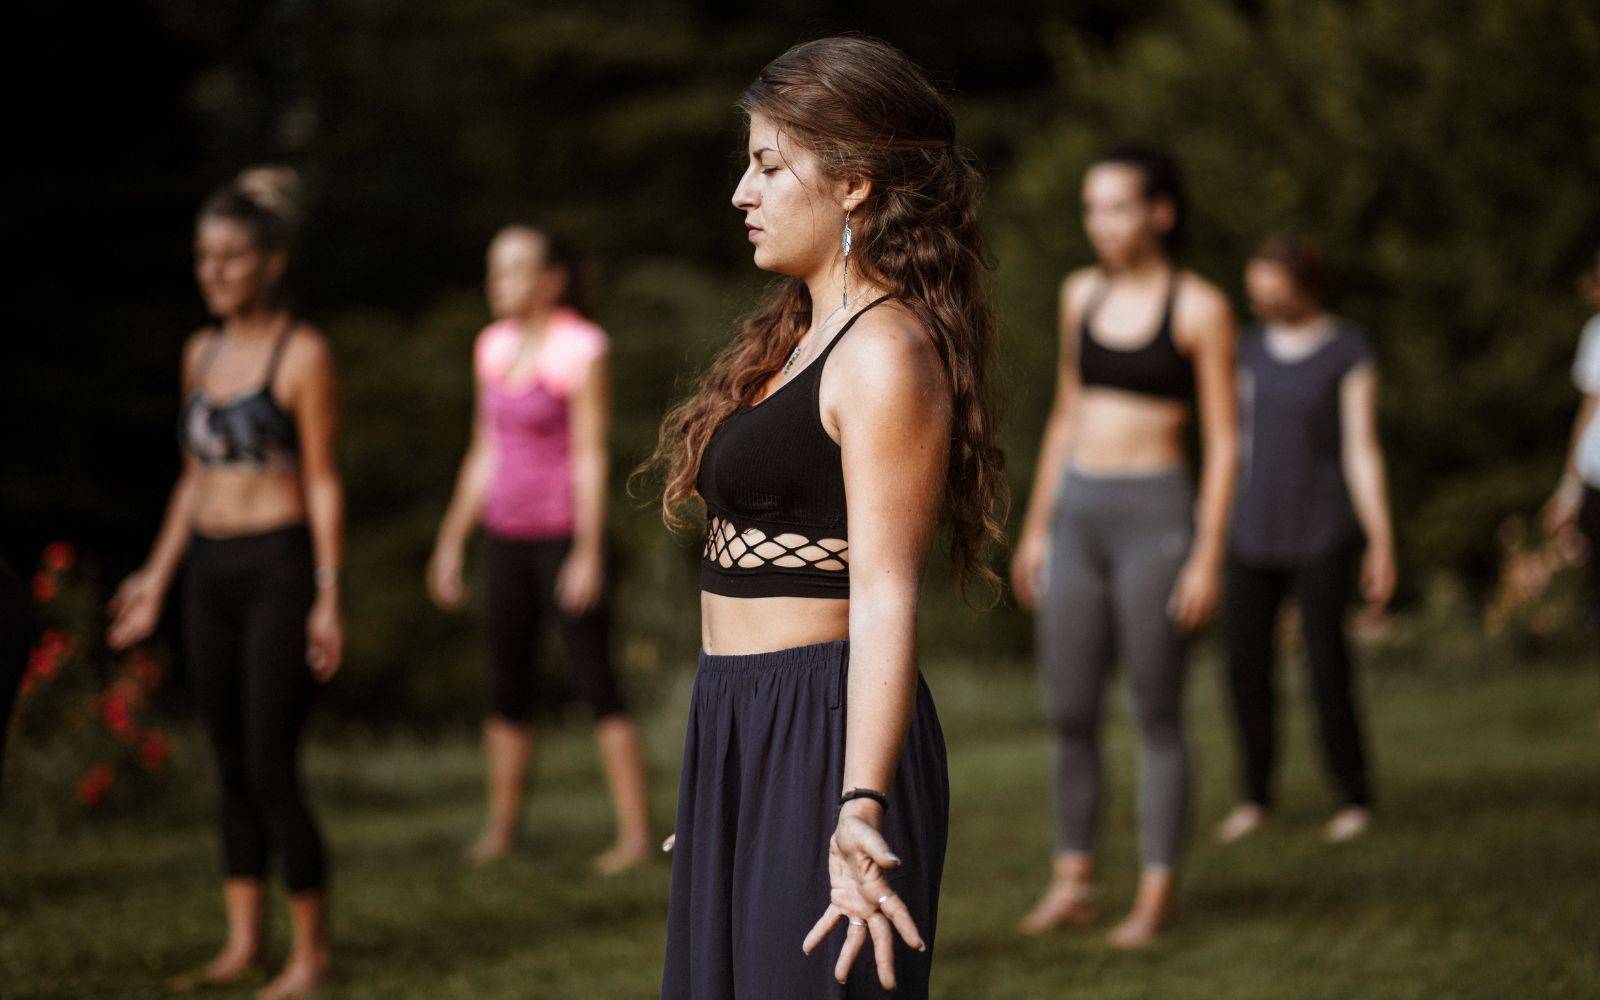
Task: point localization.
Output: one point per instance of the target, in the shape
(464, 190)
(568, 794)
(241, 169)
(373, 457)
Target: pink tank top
(530, 490)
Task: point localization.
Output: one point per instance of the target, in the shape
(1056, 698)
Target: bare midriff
(1120, 431)
(761, 624)
(247, 501)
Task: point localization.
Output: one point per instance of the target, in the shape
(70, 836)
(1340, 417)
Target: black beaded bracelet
(865, 793)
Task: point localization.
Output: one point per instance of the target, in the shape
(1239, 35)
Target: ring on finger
(857, 922)
(885, 898)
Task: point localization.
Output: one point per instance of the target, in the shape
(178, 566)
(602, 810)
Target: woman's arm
(316, 409)
(1561, 510)
(1060, 431)
(466, 505)
(1362, 458)
(1205, 323)
(894, 435)
(582, 575)
(136, 607)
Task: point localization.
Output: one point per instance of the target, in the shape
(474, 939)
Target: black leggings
(1322, 590)
(1589, 524)
(246, 599)
(521, 591)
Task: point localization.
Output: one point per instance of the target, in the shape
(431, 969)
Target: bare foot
(1347, 824)
(623, 857)
(1242, 820)
(1065, 903)
(487, 848)
(231, 965)
(1138, 929)
(299, 978)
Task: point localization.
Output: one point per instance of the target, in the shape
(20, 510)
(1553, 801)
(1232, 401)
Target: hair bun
(274, 189)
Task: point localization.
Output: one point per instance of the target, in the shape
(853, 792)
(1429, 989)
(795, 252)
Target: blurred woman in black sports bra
(256, 518)
(1115, 553)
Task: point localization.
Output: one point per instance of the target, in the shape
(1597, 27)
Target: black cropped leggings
(1589, 524)
(246, 599)
(520, 577)
(1322, 590)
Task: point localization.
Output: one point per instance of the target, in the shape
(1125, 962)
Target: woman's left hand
(1195, 595)
(857, 856)
(579, 581)
(324, 637)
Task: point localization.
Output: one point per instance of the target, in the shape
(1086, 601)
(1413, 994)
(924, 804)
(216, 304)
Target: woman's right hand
(135, 610)
(444, 576)
(1027, 566)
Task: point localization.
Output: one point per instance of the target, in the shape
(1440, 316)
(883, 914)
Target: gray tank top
(1292, 503)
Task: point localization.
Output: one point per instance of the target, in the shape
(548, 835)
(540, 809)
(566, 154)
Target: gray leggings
(1117, 544)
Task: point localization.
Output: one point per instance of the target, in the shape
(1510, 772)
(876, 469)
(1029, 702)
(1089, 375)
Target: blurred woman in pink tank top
(535, 477)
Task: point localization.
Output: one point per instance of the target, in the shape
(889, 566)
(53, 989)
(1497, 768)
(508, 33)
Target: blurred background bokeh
(1445, 155)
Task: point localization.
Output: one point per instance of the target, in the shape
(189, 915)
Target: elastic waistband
(1162, 473)
(816, 654)
(288, 531)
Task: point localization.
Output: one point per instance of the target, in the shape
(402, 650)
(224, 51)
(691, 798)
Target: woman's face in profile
(783, 194)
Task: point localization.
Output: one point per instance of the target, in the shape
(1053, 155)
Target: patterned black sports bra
(774, 490)
(251, 430)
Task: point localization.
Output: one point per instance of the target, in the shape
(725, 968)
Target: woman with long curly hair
(855, 395)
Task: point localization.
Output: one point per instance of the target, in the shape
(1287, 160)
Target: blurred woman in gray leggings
(1115, 554)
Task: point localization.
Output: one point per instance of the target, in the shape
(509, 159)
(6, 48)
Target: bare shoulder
(888, 355)
(194, 346)
(307, 350)
(1076, 288)
(1202, 313)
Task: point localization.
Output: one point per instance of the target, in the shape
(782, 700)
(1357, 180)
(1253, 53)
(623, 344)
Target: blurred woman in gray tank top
(1311, 490)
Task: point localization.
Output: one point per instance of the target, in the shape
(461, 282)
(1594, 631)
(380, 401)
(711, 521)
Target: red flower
(56, 641)
(42, 664)
(59, 556)
(145, 670)
(46, 658)
(153, 751)
(117, 715)
(44, 586)
(92, 788)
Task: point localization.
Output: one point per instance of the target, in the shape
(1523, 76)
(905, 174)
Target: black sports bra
(773, 486)
(251, 430)
(1156, 369)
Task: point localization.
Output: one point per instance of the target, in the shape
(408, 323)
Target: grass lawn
(1482, 878)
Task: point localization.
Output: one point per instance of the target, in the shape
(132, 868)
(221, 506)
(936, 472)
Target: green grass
(1479, 881)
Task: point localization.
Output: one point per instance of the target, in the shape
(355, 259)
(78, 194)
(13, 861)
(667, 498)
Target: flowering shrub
(81, 703)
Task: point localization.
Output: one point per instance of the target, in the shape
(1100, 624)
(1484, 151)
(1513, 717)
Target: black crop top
(773, 486)
(1156, 369)
(250, 430)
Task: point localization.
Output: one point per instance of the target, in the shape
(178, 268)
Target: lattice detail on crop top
(729, 547)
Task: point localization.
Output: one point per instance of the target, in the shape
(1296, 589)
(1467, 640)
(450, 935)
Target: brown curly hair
(865, 110)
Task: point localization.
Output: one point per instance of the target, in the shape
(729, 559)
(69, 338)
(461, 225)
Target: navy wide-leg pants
(758, 799)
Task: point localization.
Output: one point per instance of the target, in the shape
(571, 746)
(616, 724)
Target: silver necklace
(794, 355)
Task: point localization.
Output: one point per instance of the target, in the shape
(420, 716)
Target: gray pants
(1117, 544)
